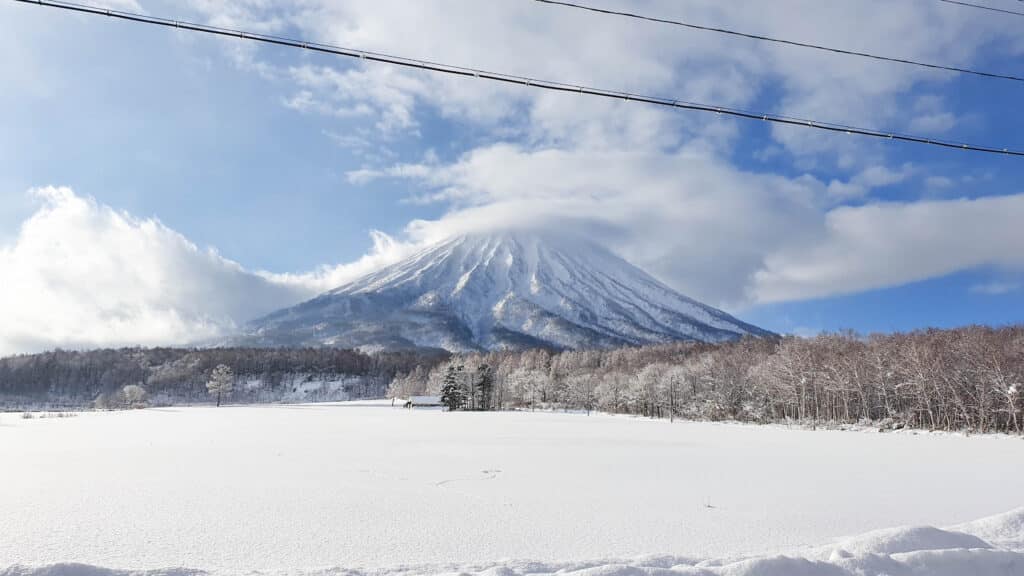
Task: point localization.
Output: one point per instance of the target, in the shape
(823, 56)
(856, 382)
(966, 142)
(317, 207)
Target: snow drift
(909, 551)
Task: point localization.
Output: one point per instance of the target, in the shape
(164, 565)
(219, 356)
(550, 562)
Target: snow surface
(383, 490)
(508, 289)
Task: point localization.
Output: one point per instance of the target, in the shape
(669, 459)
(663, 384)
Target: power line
(783, 41)
(517, 80)
(982, 7)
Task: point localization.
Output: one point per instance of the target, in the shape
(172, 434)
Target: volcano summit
(507, 290)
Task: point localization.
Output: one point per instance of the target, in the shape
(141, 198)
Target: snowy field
(366, 486)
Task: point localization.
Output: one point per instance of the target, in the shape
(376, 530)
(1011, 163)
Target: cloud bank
(725, 236)
(80, 274)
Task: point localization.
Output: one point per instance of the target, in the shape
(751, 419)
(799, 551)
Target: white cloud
(685, 216)
(656, 185)
(563, 44)
(882, 245)
(363, 175)
(937, 123)
(722, 235)
(81, 274)
(996, 288)
(930, 116)
(573, 156)
(384, 251)
(379, 91)
(250, 15)
(938, 183)
(872, 177)
(122, 5)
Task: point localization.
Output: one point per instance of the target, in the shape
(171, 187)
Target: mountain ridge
(512, 289)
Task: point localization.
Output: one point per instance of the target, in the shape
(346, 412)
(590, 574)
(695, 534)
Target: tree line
(968, 378)
(68, 379)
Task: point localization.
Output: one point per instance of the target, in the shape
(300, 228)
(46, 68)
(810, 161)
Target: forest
(73, 379)
(961, 379)
(967, 378)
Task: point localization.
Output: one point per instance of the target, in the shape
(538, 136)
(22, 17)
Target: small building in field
(423, 401)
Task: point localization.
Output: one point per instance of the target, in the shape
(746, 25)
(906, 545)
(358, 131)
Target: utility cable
(517, 80)
(983, 7)
(783, 41)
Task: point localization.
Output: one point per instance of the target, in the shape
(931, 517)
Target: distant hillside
(175, 376)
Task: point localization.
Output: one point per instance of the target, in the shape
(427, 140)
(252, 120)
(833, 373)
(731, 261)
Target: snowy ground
(362, 485)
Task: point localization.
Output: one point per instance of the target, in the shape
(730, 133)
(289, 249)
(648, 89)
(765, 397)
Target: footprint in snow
(485, 475)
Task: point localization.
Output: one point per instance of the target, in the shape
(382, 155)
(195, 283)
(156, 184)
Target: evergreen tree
(453, 395)
(484, 386)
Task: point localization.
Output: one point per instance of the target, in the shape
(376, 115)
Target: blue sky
(286, 164)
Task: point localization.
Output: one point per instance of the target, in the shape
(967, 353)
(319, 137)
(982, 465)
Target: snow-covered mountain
(506, 290)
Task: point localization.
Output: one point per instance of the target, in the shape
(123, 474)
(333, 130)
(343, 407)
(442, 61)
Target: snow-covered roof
(425, 400)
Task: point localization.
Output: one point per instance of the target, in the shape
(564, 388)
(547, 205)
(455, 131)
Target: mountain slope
(513, 289)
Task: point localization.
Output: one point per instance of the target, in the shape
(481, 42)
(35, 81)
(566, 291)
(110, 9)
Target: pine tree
(484, 386)
(453, 395)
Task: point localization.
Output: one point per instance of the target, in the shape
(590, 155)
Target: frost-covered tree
(453, 393)
(581, 391)
(76, 378)
(413, 383)
(1012, 395)
(221, 382)
(483, 386)
(133, 396)
(969, 378)
(104, 401)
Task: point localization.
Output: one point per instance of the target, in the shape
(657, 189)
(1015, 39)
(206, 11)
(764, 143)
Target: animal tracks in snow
(484, 475)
